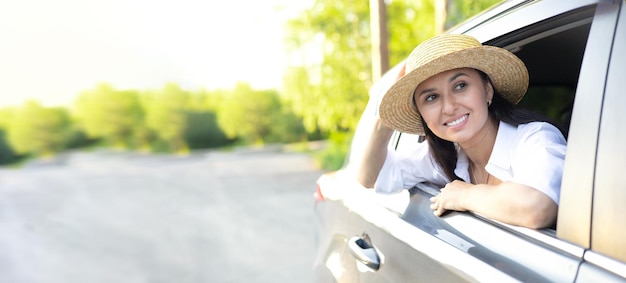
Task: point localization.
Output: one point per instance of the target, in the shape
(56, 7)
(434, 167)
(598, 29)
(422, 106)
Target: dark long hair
(444, 152)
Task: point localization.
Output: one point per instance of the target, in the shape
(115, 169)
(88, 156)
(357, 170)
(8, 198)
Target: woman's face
(454, 104)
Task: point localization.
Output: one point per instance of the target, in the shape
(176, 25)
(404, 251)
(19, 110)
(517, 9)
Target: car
(574, 51)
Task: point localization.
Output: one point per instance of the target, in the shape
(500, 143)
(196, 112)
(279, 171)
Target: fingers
(436, 206)
(449, 198)
(402, 72)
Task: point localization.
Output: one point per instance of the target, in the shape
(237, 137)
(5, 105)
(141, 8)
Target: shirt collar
(500, 155)
(462, 164)
(499, 159)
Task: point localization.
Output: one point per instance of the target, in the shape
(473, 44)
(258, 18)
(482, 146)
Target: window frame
(575, 209)
(607, 235)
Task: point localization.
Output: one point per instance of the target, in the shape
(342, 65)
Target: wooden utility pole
(440, 16)
(380, 51)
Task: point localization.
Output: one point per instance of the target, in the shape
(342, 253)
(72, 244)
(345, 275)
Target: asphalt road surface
(244, 216)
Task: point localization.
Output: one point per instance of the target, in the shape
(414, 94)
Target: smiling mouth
(457, 121)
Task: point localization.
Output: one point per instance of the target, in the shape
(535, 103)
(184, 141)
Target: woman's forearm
(369, 149)
(367, 160)
(514, 204)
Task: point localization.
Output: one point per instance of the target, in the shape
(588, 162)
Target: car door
(605, 241)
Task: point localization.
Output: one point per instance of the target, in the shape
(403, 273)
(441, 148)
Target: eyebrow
(450, 80)
(456, 76)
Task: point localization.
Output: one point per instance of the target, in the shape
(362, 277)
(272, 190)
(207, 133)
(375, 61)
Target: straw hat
(507, 73)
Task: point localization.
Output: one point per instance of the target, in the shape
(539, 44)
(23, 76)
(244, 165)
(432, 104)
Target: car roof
(548, 9)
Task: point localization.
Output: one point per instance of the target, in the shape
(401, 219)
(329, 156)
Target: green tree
(409, 23)
(6, 116)
(330, 92)
(287, 128)
(7, 154)
(143, 138)
(38, 130)
(329, 46)
(211, 100)
(249, 114)
(203, 130)
(460, 10)
(166, 116)
(109, 114)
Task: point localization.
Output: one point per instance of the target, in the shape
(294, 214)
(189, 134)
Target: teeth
(457, 121)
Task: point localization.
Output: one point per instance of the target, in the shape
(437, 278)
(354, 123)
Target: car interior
(553, 53)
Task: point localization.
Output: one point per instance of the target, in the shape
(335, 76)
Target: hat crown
(507, 74)
(438, 47)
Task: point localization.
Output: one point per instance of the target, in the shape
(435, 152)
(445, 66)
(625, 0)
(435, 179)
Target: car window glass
(554, 102)
(554, 64)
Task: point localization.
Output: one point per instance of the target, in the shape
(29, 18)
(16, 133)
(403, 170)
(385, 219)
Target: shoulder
(539, 132)
(538, 157)
(527, 135)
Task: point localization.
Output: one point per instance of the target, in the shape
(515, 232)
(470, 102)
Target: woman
(490, 156)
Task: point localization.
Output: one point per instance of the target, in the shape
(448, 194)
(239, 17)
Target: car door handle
(362, 249)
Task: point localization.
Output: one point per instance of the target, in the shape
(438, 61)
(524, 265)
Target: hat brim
(507, 73)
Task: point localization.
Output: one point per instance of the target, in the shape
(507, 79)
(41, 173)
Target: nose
(449, 104)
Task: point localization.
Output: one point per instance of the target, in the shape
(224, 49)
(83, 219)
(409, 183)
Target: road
(244, 216)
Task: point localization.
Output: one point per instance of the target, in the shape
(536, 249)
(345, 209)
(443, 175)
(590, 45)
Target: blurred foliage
(38, 130)
(333, 157)
(287, 127)
(110, 114)
(7, 155)
(203, 130)
(343, 66)
(460, 10)
(248, 113)
(329, 46)
(330, 92)
(409, 23)
(166, 116)
(6, 115)
(257, 116)
(170, 119)
(325, 91)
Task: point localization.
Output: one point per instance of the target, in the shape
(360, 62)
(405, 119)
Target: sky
(50, 51)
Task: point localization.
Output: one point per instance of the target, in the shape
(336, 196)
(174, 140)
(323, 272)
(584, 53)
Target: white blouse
(531, 154)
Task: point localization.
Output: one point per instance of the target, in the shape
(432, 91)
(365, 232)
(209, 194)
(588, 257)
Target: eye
(460, 86)
(430, 97)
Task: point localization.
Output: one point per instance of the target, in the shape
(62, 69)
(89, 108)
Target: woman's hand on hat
(402, 71)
